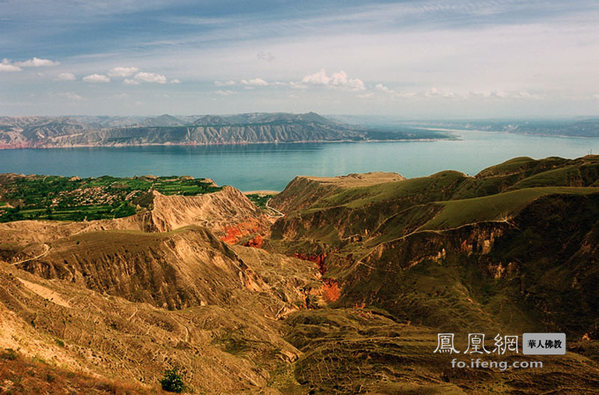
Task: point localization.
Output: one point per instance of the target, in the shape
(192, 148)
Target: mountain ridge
(249, 128)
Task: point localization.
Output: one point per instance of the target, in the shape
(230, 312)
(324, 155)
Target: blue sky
(409, 59)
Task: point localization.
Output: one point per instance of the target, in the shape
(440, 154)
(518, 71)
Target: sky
(438, 59)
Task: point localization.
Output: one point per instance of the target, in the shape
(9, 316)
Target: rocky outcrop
(215, 210)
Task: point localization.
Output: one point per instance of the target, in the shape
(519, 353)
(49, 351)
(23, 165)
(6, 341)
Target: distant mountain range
(545, 127)
(251, 128)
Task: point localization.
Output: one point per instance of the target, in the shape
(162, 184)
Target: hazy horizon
(414, 60)
(387, 117)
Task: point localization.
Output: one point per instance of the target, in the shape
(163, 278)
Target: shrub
(9, 354)
(172, 381)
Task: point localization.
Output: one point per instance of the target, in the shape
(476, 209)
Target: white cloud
(318, 78)
(96, 78)
(7, 66)
(254, 82)
(341, 79)
(138, 76)
(528, 95)
(501, 94)
(297, 85)
(66, 77)
(225, 83)
(122, 71)
(434, 92)
(338, 79)
(71, 96)
(175, 81)
(150, 77)
(224, 92)
(248, 83)
(37, 62)
(385, 89)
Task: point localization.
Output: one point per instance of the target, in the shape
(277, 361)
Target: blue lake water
(272, 166)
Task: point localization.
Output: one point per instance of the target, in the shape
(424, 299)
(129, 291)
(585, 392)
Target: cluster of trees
(10, 214)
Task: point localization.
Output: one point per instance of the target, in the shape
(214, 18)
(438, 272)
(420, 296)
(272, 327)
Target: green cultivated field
(75, 199)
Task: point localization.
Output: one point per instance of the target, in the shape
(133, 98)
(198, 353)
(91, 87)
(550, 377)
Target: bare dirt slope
(222, 348)
(134, 296)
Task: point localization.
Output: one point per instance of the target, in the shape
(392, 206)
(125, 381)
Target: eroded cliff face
(188, 267)
(170, 256)
(52, 132)
(214, 210)
(221, 348)
(300, 193)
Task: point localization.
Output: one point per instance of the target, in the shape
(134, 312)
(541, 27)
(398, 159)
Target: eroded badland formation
(345, 293)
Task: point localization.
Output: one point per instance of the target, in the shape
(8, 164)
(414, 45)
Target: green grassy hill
(440, 201)
(426, 249)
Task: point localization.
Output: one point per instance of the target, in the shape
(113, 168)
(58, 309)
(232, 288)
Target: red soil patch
(330, 290)
(256, 242)
(233, 233)
(318, 259)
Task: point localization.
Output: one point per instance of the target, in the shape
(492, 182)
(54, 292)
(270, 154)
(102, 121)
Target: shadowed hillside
(489, 246)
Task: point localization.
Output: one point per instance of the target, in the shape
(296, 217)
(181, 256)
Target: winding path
(279, 214)
(43, 254)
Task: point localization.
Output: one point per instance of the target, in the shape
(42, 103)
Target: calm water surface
(272, 166)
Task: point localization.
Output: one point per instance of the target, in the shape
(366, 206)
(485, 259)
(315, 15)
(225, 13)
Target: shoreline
(261, 192)
(5, 147)
(528, 134)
